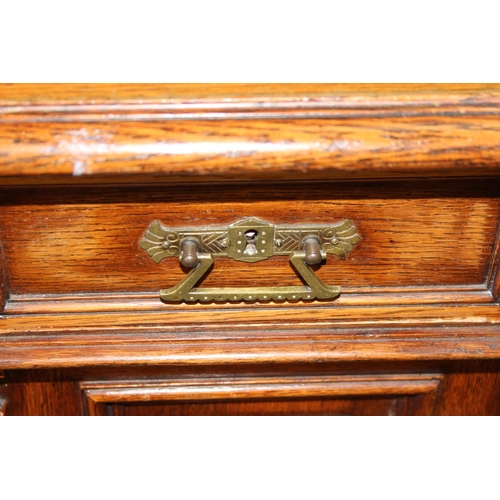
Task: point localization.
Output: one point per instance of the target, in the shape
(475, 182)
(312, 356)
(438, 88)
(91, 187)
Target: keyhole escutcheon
(251, 235)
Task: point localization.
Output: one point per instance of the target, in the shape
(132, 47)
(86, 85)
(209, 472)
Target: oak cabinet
(86, 169)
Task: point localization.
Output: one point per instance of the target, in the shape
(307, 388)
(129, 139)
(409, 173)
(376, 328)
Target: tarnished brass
(189, 250)
(250, 240)
(313, 252)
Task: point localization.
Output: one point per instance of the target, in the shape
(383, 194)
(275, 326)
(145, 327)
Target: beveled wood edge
(375, 296)
(3, 399)
(495, 285)
(36, 93)
(438, 344)
(59, 165)
(493, 278)
(237, 388)
(107, 114)
(4, 284)
(17, 98)
(192, 325)
(244, 178)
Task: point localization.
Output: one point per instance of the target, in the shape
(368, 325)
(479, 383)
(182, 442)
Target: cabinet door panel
(296, 407)
(345, 394)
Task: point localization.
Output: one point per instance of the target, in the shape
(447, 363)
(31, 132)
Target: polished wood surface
(297, 395)
(85, 169)
(373, 389)
(3, 397)
(270, 93)
(65, 134)
(65, 242)
(4, 286)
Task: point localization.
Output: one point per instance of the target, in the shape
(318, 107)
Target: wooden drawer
(426, 257)
(435, 235)
(415, 169)
(423, 242)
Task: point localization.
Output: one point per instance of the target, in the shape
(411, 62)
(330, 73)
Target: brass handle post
(189, 252)
(312, 249)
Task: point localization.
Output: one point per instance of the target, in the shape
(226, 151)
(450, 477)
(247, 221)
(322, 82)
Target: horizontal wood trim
(452, 343)
(245, 320)
(278, 148)
(260, 387)
(91, 303)
(85, 133)
(337, 94)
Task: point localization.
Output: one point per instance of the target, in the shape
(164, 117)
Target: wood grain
(249, 319)
(472, 389)
(84, 170)
(74, 134)
(254, 345)
(126, 397)
(260, 388)
(103, 303)
(351, 389)
(3, 396)
(297, 407)
(4, 284)
(414, 234)
(286, 148)
(42, 393)
(119, 94)
(493, 279)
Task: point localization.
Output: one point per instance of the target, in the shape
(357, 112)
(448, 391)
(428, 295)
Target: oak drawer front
(415, 171)
(414, 234)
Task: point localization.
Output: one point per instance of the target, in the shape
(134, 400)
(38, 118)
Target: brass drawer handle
(250, 240)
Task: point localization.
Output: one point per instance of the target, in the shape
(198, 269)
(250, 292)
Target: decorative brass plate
(250, 240)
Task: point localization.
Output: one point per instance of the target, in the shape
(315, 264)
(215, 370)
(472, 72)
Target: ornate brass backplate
(250, 240)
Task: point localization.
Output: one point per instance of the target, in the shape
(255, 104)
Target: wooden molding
(259, 95)
(493, 279)
(294, 149)
(119, 302)
(3, 398)
(97, 394)
(495, 285)
(48, 135)
(248, 346)
(200, 320)
(4, 285)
